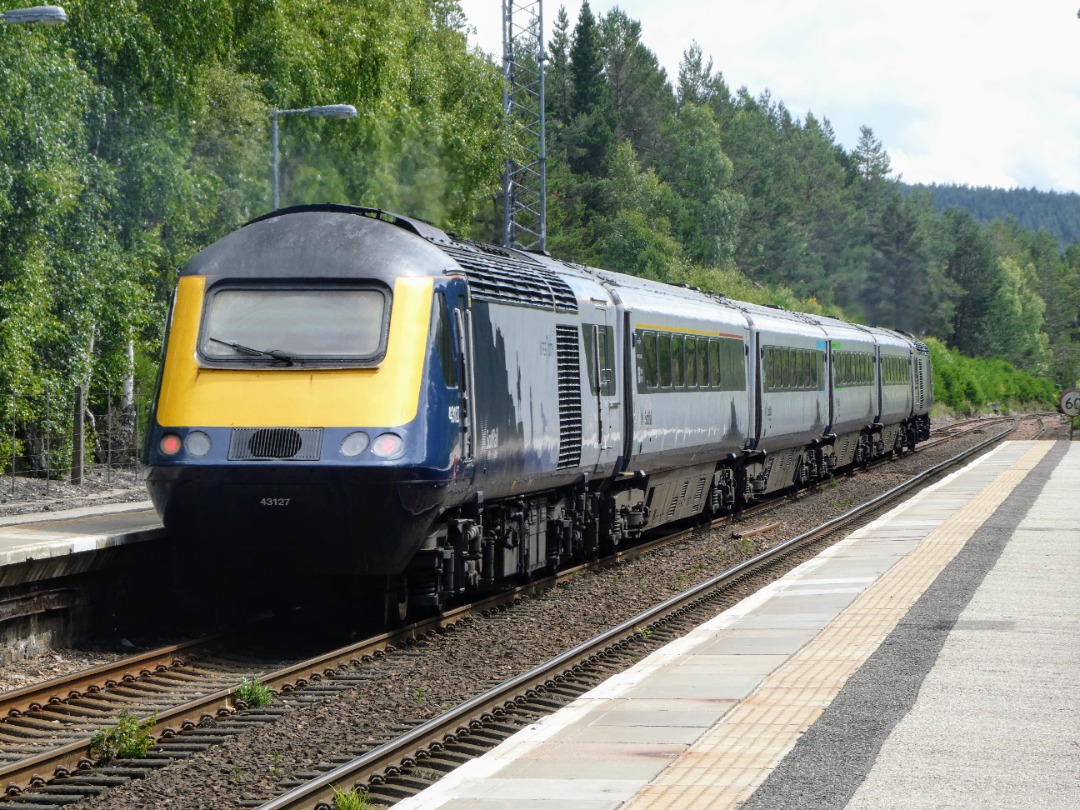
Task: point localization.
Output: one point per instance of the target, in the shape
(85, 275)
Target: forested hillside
(1058, 214)
(684, 178)
(139, 132)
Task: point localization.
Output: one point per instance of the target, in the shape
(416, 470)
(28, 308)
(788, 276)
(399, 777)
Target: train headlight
(170, 444)
(388, 445)
(197, 443)
(354, 444)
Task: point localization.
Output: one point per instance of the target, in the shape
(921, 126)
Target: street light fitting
(329, 111)
(326, 111)
(45, 15)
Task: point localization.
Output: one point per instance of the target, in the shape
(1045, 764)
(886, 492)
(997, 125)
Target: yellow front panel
(210, 397)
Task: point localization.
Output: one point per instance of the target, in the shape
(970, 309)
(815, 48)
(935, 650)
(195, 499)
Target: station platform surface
(930, 659)
(42, 546)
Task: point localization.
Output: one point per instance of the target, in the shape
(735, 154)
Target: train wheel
(383, 601)
(397, 601)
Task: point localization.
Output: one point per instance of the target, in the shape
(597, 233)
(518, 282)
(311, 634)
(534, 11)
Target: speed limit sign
(1070, 402)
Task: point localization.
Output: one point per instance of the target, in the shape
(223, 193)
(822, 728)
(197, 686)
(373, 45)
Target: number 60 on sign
(1070, 402)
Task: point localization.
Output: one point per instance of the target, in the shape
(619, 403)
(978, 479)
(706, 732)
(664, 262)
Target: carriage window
(853, 368)
(691, 363)
(680, 361)
(286, 325)
(444, 341)
(677, 362)
(600, 357)
(647, 362)
(665, 360)
(786, 369)
(896, 370)
(733, 365)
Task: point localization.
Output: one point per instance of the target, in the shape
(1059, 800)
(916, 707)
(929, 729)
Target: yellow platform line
(727, 764)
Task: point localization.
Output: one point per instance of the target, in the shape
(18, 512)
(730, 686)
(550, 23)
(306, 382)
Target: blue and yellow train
(350, 393)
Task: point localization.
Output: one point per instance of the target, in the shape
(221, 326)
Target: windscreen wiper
(240, 348)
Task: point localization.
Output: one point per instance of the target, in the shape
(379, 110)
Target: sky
(974, 93)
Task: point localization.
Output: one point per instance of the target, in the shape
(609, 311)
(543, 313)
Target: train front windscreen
(293, 325)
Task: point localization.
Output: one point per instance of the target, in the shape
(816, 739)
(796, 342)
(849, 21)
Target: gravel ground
(421, 682)
(20, 496)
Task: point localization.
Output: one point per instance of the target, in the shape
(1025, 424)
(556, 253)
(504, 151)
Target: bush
(254, 693)
(130, 738)
(967, 385)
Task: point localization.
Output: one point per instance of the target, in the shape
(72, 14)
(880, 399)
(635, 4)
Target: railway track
(35, 718)
(416, 759)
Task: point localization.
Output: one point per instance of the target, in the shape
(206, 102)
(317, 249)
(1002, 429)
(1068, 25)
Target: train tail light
(170, 444)
(388, 445)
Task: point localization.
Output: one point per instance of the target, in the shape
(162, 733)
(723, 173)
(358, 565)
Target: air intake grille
(296, 444)
(496, 274)
(566, 339)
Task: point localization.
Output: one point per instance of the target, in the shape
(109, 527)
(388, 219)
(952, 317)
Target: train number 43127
(275, 501)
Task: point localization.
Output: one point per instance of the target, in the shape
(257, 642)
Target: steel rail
(104, 676)
(77, 755)
(63, 688)
(318, 793)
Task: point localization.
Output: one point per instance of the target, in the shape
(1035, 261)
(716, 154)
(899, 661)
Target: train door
(463, 331)
(879, 383)
(830, 384)
(762, 416)
(603, 373)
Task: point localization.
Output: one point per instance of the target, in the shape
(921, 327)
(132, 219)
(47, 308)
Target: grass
(350, 800)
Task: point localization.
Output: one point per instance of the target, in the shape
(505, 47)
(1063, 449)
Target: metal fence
(59, 436)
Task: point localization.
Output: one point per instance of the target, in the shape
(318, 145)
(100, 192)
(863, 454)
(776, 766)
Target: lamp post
(46, 15)
(329, 111)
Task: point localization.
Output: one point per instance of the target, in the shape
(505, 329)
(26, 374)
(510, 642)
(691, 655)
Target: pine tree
(557, 75)
(591, 135)
(641, 94)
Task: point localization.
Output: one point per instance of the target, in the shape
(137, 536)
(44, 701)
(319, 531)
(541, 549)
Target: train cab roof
(325, 242)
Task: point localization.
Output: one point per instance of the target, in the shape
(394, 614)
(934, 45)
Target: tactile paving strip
(729, 761)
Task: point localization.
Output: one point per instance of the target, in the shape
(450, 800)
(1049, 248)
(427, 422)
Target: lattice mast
(525, 178)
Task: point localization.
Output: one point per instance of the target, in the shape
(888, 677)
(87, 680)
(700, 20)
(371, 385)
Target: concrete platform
(930, 659)
(48, 546)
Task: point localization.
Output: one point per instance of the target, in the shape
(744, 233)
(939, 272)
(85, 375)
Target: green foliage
(972, 385)
(1055, 212)
(1016, 312)
(350, 800)
(589, 133)
(701, 180)
(130, 738)
(139, 132)
(254, 693)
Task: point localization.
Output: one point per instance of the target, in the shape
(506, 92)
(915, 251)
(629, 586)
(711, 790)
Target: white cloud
(958, 91)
